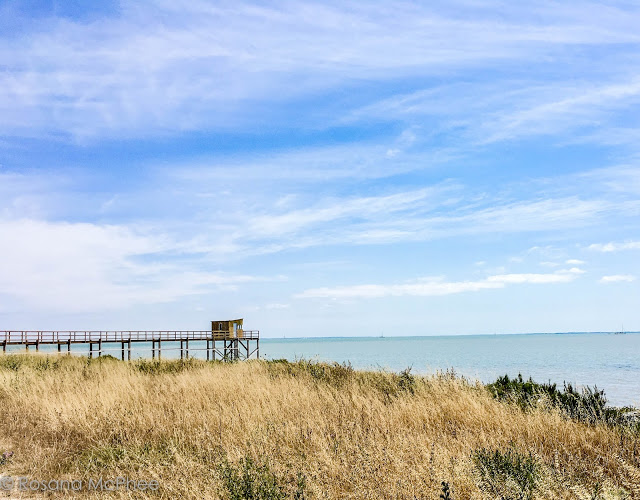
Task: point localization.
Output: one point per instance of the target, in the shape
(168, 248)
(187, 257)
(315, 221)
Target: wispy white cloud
(575, 262)
(615, 247)
(620, 180)
(194, 66)
(271, 216)
(557, 277)
(277, 306)
(258, 218)
(547, 263)
(308, 165)
(489, 112)
(81, 267)
(366, 208)
(400, 114)
(415, 289)
(548, 114)
(436, 286)
(616, 278)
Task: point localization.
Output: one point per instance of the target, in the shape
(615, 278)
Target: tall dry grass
(342, 434)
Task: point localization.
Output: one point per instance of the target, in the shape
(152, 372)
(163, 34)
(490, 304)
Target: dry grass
(339, 433)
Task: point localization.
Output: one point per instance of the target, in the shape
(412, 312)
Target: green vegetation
(507, 475)
(337, 375)
(301, 430)
(157, 367)
(334, 374)
(588, 405)
(249, 480)
(406, 381)
(446, 492)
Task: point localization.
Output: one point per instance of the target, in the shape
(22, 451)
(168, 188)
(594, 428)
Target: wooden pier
(226, 341)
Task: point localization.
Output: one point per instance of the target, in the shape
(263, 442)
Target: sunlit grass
(299, 430)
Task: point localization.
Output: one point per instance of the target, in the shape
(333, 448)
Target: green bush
(507, 475)
(334, 374)
(406, 381)
(11, 362)
(249, 480)
(588, 405)
(156, 367)
(390, 384)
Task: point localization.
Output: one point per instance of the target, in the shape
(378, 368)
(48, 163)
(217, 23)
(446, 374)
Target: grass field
(298, 430)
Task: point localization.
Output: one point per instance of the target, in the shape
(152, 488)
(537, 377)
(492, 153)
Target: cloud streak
(194, 67)
(615, 247)
(617, 278)
(85, 267)
(430, 287)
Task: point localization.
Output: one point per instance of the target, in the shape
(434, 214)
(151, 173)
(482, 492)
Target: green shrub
(249, 480)
(11, 362)
(507, 475)
(106, 358)
(39, 363)
(334, 374)
(156, 367)
(406, 381)
(588, 405)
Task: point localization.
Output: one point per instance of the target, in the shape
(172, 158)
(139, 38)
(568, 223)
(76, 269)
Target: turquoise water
(610, 362)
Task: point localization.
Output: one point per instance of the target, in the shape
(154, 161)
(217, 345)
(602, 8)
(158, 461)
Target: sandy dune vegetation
(297, 430)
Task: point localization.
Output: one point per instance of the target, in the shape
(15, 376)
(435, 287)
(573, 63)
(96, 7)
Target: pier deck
(222, 344)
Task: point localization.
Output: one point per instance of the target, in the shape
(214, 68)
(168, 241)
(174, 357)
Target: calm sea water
(610, 362)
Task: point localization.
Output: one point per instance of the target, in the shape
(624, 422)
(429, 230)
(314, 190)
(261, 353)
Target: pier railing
(236, 344)
(18, 337)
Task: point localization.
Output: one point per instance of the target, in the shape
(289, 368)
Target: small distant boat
(621, 332)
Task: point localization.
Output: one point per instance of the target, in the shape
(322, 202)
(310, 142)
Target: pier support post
(4, 346)
(69, 346)
(99, 347)
(156, 347)
(59, 347)
(90, 350)
(129, 353)
(187, 349)
(122, 351)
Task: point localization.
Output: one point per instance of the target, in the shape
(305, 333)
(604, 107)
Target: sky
(320, 168)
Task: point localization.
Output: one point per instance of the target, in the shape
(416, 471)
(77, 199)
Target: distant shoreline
(266, 337)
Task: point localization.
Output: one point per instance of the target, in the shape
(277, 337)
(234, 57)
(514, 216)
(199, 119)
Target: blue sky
(396, 168)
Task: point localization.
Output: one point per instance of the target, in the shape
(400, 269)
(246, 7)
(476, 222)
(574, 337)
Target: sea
(599, 360)
(606, 361)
